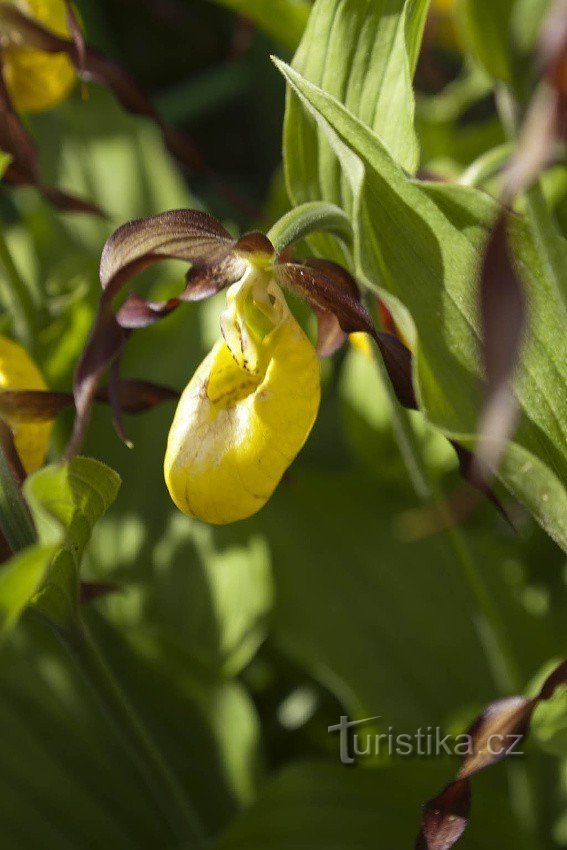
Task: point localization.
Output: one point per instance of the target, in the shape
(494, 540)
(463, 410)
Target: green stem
(165, 787)
(16, 296)
(486, 166)
(15, 519)
(313, 217)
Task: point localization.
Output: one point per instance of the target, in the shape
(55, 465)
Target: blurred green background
(239, 646)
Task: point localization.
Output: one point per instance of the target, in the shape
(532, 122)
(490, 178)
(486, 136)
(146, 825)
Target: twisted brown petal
(134, 396)
(503, 318)
(494, 735)
(330, 335)
(23, 170)
(189, 235)
(93, 66)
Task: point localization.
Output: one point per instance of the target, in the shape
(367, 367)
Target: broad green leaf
(370, 614)
(282, 20)
(19, 582)
(422, 243)
(212, 600)
(364, 53)
(65, 781)
(66, 501)
(317, 806)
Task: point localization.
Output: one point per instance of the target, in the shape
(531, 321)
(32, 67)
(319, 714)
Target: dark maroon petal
(398, 361)
(93, 66)
(503, 319)
(253, 245)
(136, 312)
(77, 35)
(189, 235)
(445, 817)
(323, 291)
(23, 170)
(44, 405)
(32, 405)
(495, 735)
(330, 335)
(11, 453)
(495, 731)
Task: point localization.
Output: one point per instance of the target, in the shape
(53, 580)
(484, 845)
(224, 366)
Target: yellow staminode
(36, 80)
(246, 412)
(19, 372)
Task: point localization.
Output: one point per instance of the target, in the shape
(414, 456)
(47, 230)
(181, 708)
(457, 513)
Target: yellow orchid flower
(248, 409)
(251, 404)
(37, 80)
(19, 372)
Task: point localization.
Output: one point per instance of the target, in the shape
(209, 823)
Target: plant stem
(16, 296)
(165, 787)
(312, 217)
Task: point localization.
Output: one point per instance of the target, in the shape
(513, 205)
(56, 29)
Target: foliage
(165, 679)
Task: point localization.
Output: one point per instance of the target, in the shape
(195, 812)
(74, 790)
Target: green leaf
(213, 601)
(365, 54)
(66, 501)
(423, 243)
(19, 581)
(64, 780)
(369, 427)
(376, 609)
(282, 20)
(317, 806)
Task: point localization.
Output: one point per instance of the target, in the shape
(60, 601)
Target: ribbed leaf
(423, 244)
(66, 501)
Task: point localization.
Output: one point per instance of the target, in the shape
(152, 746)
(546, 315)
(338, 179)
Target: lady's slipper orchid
(252, 402)
(19, 372)
(42, 52)
(248, 409)
(37, 80)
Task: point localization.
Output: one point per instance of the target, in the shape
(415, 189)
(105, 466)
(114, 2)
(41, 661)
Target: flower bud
(19, 372)
(37, 81)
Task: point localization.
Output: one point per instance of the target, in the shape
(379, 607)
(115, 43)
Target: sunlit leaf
(423, 243)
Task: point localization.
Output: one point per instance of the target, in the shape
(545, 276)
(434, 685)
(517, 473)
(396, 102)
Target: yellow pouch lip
(38, 81)
(223, 462)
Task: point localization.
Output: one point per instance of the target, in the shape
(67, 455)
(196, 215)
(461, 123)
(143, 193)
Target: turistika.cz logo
(425, 742)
